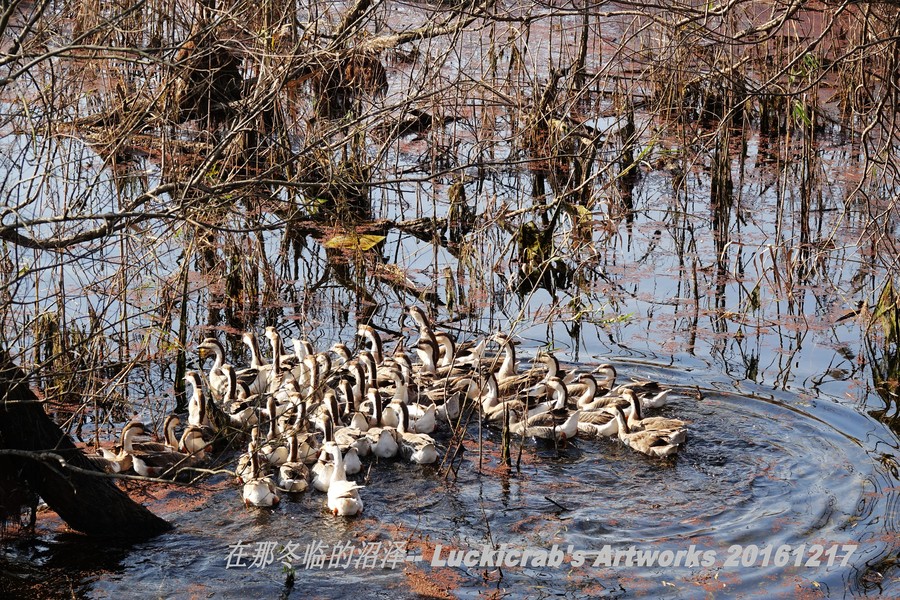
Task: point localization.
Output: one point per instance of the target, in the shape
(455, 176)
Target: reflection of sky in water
(800, 461)
(657, 273)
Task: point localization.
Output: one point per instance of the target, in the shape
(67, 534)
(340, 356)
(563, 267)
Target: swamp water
(761, 469)
(790, 468)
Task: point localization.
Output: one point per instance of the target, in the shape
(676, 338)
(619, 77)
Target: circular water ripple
(752, 473)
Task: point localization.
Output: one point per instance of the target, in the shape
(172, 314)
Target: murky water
(771, 495)
(788, 484)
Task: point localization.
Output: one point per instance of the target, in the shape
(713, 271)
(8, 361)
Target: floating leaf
(352, 241)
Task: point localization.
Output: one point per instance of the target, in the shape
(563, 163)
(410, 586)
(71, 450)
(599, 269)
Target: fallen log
(85, 499)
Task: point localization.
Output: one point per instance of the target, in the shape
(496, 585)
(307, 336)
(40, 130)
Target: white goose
(422, 419)
(256, 376)
(382, 439)
(259, 489)
(322, 470)
(293, 476)
(218, 379)
(343, 495)
(419, 448)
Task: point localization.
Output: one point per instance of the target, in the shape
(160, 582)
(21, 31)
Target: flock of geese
(312, 417)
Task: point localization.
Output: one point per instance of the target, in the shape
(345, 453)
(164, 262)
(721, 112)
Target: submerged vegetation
(685, 179)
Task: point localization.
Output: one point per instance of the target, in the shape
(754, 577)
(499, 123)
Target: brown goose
(161, 464)
(293, 476)
(675, 429)
(652, 443)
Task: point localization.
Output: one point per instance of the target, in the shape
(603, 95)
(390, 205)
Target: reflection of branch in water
(392, 275)
(882, 340)
(884, 360)
(389, 274)
(339, 266)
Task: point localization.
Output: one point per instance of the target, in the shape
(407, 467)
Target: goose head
(559, 393)
(342, 352)
(256, 358)
(590, 389)
(635, 403)
(169, 426)
(274, 337)
(323, 361)
(608, 372)
(550, 361)
(368, 333)
(302, 348)
(211, 347)
(193, 378)
(418, 315)
(131, 431)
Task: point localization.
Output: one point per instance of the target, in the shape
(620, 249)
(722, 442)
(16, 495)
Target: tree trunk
(87, 503)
